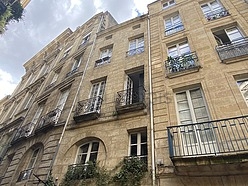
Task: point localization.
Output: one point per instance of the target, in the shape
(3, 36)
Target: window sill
(184, 72)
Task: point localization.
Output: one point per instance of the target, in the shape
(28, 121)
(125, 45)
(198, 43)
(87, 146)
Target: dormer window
(168, 4)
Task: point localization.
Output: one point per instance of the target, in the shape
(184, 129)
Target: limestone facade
(169, 87)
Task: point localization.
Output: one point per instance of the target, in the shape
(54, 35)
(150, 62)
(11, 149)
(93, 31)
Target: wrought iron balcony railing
(130, 100)
(174, 29)
(24, 175)
(227, 136)
(135, 51)
(49, 120)
(181, 63)
(23, 132)
(217, 14)
(50, 86)
(102, 61)
(88, 109)
(233, 49)
(71, 72)
(82, 171)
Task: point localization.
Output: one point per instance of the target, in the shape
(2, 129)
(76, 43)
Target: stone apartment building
(169, 87)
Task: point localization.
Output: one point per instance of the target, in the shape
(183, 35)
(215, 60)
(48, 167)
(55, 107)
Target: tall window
(88, 152)
(38, 113)
(28, 100)
(173, 24)
(76, 63)
(169, 3)
(85, 40)
(228, 35)
(104, 56)
(63, 97)
(179, 49)
(55, 77)
(192, 110)
(24, 175)
(213, 10)
(138, 145)
(243, 87)
(136, 46)
(66, 53)
(96, 95)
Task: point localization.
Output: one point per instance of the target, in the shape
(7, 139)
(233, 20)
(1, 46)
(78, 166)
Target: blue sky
(44, 20)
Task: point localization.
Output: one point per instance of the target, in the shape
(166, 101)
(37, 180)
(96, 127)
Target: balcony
(217, 14)
(48, 121)
(174, 29)
(102, 61)
(71, 72)
(130, 100)
(50, 86)
(24, 175)
(23, 132)
(181, 64)
(88, 109)
(135, 51)
(233, 50)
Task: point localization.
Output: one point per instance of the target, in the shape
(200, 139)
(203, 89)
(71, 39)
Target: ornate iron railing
(50, 86)
(174, 29)
(217, 14)
(23, 132)
(135, 51)
(102, 61)
(233, 49)
(50, 119)
(226, 136)
(24, 175)
(82, 171)
(71, 72)
(181, 63)
(130, 96)
(89, 106)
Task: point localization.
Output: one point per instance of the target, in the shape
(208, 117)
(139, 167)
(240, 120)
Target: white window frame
(85, 39)
(76, 63)
(138, 144)
(138, 43)
(178, 48)
(32, 163)
(55, 78)
(106, 53)
(168, 4)
(38, 113)
(210, 6)
(173, 24)
(27, 101)
(62, 99)
(88, 153)
(243, 92)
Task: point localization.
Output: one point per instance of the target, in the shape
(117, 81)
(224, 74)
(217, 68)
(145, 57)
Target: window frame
(138, 144)
(168, 4)
(243, 80)
(173, 25)
(177, 46)
(78, 159)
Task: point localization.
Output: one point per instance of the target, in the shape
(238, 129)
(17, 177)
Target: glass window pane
(93, 157)
(133, 150)
(133, 138)
(95, 146)
(184, 48)
(143, 137)
(143, 149)
(82, 159)
(84, 148)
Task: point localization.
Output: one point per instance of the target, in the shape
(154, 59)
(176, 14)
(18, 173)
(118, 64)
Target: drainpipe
(151, 102)
(74, 100)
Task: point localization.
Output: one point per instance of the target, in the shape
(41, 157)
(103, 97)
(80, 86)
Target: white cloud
(6, 83)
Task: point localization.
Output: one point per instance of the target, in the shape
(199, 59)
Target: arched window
(88, 152)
